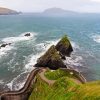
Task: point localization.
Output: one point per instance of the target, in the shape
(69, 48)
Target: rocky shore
(52, 59)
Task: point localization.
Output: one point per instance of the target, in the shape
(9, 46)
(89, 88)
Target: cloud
(96, 1)
(40, 5)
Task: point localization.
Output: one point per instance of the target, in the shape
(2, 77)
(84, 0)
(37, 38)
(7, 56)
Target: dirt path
(76, 81)
(50, 82)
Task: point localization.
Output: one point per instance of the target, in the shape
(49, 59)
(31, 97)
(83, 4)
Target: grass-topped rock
(51, 59)
(64, 46)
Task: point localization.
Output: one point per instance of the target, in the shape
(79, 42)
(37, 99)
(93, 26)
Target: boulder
(27, 34)
(5, 44)
(51, 59)
(64, 46)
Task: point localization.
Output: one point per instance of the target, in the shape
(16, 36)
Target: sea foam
(5, 50)
(96, 38)
(41, 48)
(19, 38)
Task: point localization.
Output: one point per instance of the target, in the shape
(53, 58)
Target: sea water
(17, 59)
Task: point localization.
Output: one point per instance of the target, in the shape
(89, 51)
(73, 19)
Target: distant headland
(6, 11)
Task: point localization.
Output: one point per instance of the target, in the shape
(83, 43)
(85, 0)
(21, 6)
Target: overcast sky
(40, 5)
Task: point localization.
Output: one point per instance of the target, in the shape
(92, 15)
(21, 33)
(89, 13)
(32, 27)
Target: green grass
(65, 40)
(64, 88)
(54, 75)
(58, 91)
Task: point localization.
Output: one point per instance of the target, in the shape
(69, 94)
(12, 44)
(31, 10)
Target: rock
(51, 59)
(64, 46)
(5, 44)
(27, 34)
(62, 56)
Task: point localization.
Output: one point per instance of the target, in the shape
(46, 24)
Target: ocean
(17, 59)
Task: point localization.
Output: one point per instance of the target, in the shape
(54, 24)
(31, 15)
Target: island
(52, 79)
(58, 12)
(6, 11)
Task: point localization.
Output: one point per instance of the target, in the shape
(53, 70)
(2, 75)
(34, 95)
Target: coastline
(27, 88)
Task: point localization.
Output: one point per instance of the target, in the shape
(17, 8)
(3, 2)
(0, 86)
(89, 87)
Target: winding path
(50, 82)
(23, 93)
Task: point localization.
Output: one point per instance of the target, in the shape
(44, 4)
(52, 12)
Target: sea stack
(51, 59)
(64, 46)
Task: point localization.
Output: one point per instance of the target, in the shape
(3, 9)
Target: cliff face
(6, 11)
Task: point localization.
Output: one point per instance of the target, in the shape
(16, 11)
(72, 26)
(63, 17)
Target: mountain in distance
(6, 11)
(58, 12)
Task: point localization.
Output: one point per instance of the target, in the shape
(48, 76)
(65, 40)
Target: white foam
(42, 47)
(32, 59)
(15, 84)
(96, 38)
(5, 50)
(74, 45)
(19, 38)
(1, 82)
(31, 62)
(73, 61)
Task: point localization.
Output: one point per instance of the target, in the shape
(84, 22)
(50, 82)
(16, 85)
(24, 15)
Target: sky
(41, 5)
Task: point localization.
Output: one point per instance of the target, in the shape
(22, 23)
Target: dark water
(16, 60)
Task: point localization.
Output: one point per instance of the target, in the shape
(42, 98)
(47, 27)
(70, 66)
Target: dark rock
(5, 44)
(51, 59)
(62, 56)
(64, 46)
(27, 34)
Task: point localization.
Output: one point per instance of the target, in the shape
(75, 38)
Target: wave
(96, 38)
(31, 60)
(18, 82)
(40, 48)
(75, 60)
(74, 45)
(1, 82)
(5, 50)
(19, 38)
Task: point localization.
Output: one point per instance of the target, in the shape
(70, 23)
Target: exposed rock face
(64, 46)
(51, 59)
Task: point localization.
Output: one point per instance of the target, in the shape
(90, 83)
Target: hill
(6, 11)
(58, 12)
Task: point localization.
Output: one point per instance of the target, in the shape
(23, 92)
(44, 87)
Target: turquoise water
(17, 60)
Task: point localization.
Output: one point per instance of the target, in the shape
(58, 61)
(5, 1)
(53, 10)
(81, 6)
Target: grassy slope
(64, 88)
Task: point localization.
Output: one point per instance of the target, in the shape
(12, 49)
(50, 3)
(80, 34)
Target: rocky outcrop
(51, 59)
(64, 46)
(27, 34)
(4, 45)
